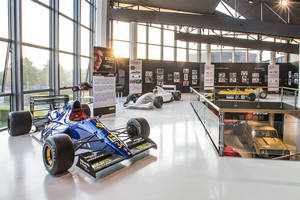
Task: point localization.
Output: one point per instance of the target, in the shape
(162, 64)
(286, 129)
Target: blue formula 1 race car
(70, 133)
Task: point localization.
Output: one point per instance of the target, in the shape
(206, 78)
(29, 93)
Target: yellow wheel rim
(48, 156)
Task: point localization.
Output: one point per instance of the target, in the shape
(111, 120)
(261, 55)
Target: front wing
(94, 162)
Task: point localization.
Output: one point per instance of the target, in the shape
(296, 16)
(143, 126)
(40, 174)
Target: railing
(211, 118)
(283, 91)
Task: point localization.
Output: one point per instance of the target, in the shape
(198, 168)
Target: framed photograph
(176, 77)
(148, 79)
(194, 76)
(255, 80)
(221, 75)
(244, 73)
(186, 77)
(194, 72)
(148, 73)
(186, 70)
(194, 82)
(170, 77)
(222, 80)
(233, 75)
(232, 80)
(255, 75)
(244, 79)
(186, 83)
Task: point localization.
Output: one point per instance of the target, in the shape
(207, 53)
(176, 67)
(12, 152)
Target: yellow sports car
(246, 94)
(264, 140)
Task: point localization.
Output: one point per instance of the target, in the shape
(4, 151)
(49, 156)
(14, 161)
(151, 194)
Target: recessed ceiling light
(251, 1)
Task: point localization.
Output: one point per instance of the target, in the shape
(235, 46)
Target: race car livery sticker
(142, 146)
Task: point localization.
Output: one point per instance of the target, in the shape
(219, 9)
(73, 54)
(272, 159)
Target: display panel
(104, 61)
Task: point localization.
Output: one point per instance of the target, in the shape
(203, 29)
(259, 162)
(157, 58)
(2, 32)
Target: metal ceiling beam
(235, 42)
(207, 21)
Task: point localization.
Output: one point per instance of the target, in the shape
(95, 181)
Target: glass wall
(36, 47)
(157, 42)
(5, 68)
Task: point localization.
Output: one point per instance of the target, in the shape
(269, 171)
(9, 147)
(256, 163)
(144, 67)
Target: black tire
(19, 123)
(86, 109)
(158, 101)
(138, 127)
(131, 97)
(58, 154)
(263, 95)
(176, 95)
(251, 97)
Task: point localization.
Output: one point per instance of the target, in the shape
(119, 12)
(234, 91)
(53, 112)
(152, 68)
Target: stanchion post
(221, 134)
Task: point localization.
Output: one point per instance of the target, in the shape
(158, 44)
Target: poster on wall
(232, 80)
(273, 77)
(186, 77)
(296, 78)
(176, 77)
(135, 76)
(186, 83)
(170, 77)
(104, 61)
(194, 72)
(186, 70)
(209, 79)
(160, 76)
(148, 77)
(232, 77)
(104, 89)
(255, 78)
(194, 82)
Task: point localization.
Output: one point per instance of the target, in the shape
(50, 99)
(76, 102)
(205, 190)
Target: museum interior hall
(154, 100)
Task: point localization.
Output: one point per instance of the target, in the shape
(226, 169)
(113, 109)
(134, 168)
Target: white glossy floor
(185, 166)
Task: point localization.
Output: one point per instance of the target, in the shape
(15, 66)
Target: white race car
(146, 101)
(168, 94)
(151, 100)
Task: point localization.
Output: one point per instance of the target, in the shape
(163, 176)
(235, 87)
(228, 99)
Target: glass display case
(266, 128)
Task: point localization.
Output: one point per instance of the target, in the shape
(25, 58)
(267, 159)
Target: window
(253, 56)
(193, 56)
(66, 8)
(141, 51)
(4, 18)
(85, 13)
(215, 54)
(154, 52)
(169, 53)
(141, 36)
(266, 56)
(121, 31)
(84, 70)
(121, 39)
(85, 41)
(35, 25)
(35, 68)
(227, 54)
(66, 70)
(3, 51)
(66, 34)
(154, 35)
(181, 55)
(169, 37)
(121, 49)
(240, 55)
(281, 57)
